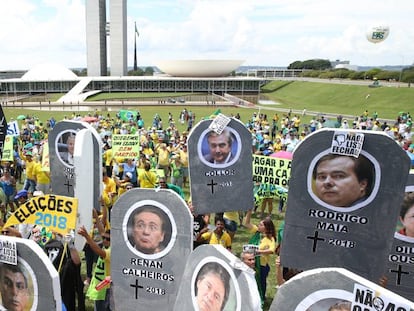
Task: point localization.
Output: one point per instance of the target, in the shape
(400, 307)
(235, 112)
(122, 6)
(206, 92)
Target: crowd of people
(163, 163)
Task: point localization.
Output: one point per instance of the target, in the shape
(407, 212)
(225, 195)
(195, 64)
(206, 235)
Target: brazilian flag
(127, 115)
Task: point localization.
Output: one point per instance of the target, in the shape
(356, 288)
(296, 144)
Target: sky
(259, 32)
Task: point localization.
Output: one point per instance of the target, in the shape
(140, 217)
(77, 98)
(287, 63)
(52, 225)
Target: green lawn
(341, 99)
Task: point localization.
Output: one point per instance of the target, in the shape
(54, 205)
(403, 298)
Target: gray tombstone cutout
(321, 230)
(3, 130)
(400, 267)
(409, 187)
(218, 187)
(62, 170)
(43, 285)
(84, 183)
(320, 289)
(232, 279)
(148, 258)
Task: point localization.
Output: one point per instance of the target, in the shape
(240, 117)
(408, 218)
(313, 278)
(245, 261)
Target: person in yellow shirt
(147, 150)
(41, 177)
(29, 183)
(103, 298)
(264, 236)
(277, 146)
(147, 178)
(218, 236)
(163, 159)
(108, 159)
(183, 152)
(124, 184)
(109, 188)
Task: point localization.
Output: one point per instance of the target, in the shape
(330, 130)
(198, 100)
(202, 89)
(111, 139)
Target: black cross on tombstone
(68, 184)
(136, 287)
(212, 184)
(399, 272)
(315, 240)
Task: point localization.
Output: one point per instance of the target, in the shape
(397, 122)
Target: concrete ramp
(76, 94)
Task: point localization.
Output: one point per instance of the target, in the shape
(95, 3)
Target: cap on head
(22, 193)
(129, 175)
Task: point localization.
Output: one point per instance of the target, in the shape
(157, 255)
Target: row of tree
(322, 68)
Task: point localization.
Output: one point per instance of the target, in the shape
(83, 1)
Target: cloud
(265, 32)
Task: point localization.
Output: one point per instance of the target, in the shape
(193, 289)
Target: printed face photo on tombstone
(16, 287)
(150, 230)
(219, 150)
(65, 147)
(406, 227)
(331, 305)
(215, 287)
(327, 300)
(342, 181)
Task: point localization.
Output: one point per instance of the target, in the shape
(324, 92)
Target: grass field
(318, 97)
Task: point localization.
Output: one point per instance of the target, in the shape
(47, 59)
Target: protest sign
(125, 146)
(269, 170)
(220, 167)
(344, 195)
(8, 149)
(151, 234)
(55, 212)
(335, 289)
(13, 128)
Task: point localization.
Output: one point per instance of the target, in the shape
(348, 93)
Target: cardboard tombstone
(322, 289)
(61, 154)
(220, 166)
(335, 219)
(84, 182)
(409, 187)
(26, 261)
(3, 130)
(232, 279)
(400, 265)
(151, 234)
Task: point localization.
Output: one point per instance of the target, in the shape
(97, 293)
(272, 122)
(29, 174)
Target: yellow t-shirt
(224, 240)
(29, 169)
(42, 177)
(147, 179)
(163, 157)
(265, 244)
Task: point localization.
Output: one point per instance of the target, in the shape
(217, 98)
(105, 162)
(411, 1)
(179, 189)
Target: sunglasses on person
(107, 238)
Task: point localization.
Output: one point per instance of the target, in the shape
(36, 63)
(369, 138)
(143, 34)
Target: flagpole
(135, 48)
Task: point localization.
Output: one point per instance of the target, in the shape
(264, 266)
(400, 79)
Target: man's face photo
(71, 144)
(148, 232)
(210, 294)
(14, 292)
(337, 184)
(220, 147)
